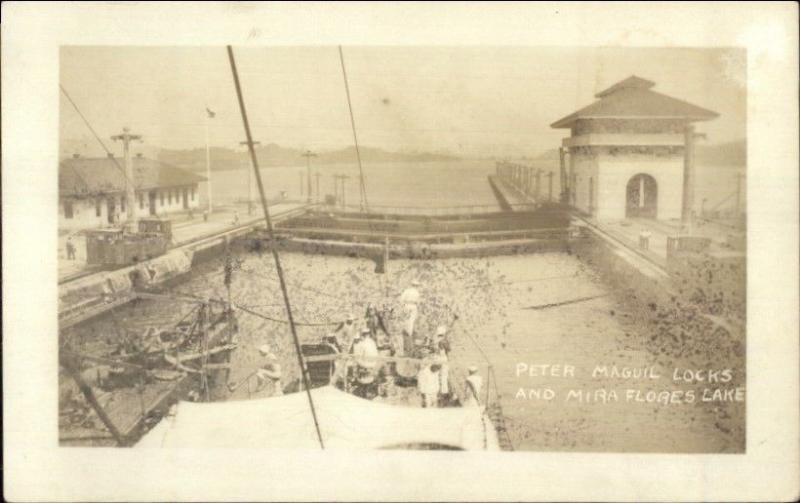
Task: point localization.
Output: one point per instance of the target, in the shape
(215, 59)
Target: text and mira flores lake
(646, 385)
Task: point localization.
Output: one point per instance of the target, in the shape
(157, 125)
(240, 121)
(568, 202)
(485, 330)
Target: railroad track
(194, 241)
(657, 263)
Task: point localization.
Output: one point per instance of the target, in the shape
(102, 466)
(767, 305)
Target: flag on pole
(211, 114)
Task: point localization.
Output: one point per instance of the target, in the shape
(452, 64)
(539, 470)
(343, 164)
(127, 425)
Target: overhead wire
(97, 137)
(275, 255)
(364, 204)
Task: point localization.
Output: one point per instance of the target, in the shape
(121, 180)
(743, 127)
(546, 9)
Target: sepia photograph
(400, 251)
(403, 248)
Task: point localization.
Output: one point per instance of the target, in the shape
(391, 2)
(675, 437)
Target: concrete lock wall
(616, 171)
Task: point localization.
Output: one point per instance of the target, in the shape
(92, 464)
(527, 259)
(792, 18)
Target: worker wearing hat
(473, 386)
(428, 383)
(332, 340)
(365, 349)
(410, 298)
(441, 350)
(349, 332)
(270, 370)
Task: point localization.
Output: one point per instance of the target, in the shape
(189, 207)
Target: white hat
(350, 316)
(416, 282)
(366, 330)
(265, 350)
(472, 369)
(441, 330)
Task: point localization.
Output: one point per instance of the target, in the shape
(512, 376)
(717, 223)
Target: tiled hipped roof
(82, 176)
(632, 98)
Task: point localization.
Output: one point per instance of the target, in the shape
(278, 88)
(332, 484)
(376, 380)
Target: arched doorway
(641, 197)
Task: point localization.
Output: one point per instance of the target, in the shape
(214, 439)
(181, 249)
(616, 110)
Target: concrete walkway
(510, 194)
(629, 231)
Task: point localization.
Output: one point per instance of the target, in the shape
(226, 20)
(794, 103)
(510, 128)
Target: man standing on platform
(270, 371)
(349, 333)
(441, 350)
(428, 384)
(70, 249)
(410, 298)
(365, 350)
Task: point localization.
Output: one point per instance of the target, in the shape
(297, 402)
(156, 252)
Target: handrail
(348, 356)
(255, 223)
(433, 210)
(522, 233)
(628, 243)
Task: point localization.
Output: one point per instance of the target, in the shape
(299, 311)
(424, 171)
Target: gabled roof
(94, 175)
(633, 98)
(632, 82)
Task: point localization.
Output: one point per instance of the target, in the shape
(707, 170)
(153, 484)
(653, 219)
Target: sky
(470, 101)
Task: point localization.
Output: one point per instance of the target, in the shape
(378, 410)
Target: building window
(141, 201)
(98, 208)
(169, 197)
(161, 197)
(192, 193)
(122, 202)
(68, 212)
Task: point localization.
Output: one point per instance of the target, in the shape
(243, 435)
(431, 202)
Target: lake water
(431, 184)
(424, 184)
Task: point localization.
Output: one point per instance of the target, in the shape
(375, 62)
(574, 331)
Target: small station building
(92, 191)
(630, 154)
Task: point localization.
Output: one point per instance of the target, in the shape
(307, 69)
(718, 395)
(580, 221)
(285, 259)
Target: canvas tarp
(346, 422)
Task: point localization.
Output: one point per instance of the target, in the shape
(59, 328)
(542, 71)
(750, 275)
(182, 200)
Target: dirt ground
(522, 312)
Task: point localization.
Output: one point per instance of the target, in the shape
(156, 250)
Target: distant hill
(273, 155)
(88, 147)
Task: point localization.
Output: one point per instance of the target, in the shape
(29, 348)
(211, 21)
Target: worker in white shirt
(365, 349)
(428, 384)
(474, 384)
(441, 350)
(270, 371)
(338, 370)
(410, 298)
(349, 333)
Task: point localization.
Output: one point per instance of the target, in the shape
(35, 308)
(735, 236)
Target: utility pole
(549, 185)
(344, 192)
(317, 175)
(562, 152)
(209, 115)
(130, 193)
(528, 180)
(337, 188)
(250, 180)
(301, 183)
(308, 155)
(342, 179)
